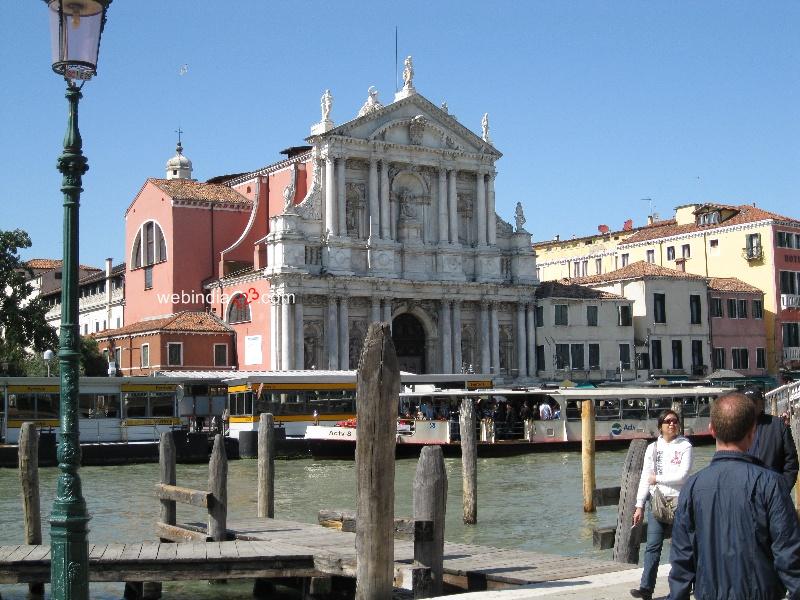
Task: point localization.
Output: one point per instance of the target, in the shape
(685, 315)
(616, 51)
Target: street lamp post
(75, 28)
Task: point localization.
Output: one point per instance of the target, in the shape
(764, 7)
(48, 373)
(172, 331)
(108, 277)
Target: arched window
(149, 246)
(239, 309)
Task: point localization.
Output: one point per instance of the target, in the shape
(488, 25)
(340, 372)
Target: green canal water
(531, 502)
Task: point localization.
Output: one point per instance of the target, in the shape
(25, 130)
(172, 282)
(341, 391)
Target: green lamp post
(75, 29)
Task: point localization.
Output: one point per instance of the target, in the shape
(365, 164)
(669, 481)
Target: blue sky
(595, 105)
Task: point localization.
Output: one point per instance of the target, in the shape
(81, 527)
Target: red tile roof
(637, 270)
(565, 289)
(731, 284)
(608, 234)
(747, 214)
(51, 263)
(186, 321)
(188, 189)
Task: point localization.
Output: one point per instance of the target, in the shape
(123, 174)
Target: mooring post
(166, 464)
(627, 539)
(29, 479)
(587, 454)
(430, 504)
(266, 466)
(218, 486)
(377, 394)
(469, 460)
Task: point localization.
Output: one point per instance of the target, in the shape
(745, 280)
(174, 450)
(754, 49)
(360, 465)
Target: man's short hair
(732, 416)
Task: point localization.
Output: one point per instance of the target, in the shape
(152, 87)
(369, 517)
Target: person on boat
(545, 411)
(736, 533)
(525, 413)
(773, 444)
(667, 463)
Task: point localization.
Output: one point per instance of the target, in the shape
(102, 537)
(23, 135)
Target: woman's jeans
(652, 552)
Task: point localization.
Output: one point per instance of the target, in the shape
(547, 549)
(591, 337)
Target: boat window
(606, 409)
(47, 406)
(22, 406)
(107, 406)
(247, 408)
(135, 406)
(703, 406)
(688, 406)
(573, 410)
(634, 408)
(659, 405)
(86, 406)
(162, 405)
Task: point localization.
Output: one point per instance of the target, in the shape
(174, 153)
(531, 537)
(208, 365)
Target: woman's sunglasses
(670, 422)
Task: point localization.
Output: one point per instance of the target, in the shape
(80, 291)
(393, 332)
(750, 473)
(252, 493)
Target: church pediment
(413, 121)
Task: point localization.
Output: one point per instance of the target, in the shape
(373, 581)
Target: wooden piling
(469, 460)
(377, 394)
(430, 504)
(266, 466)
(29, 479)
(166, 463)
(218, 486)
(626, 538)
(587, 454)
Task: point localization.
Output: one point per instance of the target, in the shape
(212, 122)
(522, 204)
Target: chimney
(627, 225)
(557, 238)
(602, 228)
(650, 219)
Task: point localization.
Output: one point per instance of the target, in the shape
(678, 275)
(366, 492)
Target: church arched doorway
(408, 336)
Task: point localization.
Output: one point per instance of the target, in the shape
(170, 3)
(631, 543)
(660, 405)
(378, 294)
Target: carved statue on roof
(372, 104)
(408, 73)
(519, 217)
(326, 102)
(289, 192)
(485, 128)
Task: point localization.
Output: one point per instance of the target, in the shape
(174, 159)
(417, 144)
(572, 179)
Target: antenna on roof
(396, 76)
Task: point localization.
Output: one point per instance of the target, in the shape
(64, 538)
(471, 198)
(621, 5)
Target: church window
(239, 309)
(149, 246)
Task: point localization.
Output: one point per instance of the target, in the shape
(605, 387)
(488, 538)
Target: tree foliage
(22, 317)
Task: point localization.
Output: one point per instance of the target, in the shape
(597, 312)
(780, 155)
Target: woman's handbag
(663, 508)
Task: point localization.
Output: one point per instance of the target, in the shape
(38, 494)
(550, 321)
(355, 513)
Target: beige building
(758, 247)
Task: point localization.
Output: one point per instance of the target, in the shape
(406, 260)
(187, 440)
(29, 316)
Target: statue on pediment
(326, 103)
(485, 128)
(519, 217)
(408, 73)
(372, 104)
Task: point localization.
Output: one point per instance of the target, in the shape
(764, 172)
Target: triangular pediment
(413, 121)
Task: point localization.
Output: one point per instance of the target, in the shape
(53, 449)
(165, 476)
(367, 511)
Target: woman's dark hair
(665, 414)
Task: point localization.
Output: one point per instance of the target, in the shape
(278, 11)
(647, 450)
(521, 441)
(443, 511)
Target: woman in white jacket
(667, 463)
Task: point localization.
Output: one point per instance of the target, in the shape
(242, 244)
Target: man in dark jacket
(736, 534)
(773, 444)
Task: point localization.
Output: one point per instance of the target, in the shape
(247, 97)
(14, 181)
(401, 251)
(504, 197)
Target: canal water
(531, 502)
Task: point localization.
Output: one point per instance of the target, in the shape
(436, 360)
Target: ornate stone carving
(372, 104)
(311, 206)
(354, 209)
(326, 103)
(485, 128)
(445, 107)
(504, 228)
(416, 130)
(408, 73)
(289, 192)
(519, 217)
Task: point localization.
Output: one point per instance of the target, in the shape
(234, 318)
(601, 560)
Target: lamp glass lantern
(75, 30)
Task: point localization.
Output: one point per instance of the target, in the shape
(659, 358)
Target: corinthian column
(274, 347)
(495, 339)
(385, 228)
(286, 336)
(332, 334)
(452, 205)
(491, 216)
(447, 357)
(374, 201)
(442, 199)
(486, 340)
(331, 212)
(480, 207)
(530, 320)
(341, 195)
(522, 354)
(299, 337)
(344, 334)
(457, 360)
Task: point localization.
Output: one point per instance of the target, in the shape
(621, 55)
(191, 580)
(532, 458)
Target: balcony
(753, 253)
(790, 301)
(791, 353)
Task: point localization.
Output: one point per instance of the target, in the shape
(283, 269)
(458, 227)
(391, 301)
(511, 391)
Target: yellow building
(714, 240)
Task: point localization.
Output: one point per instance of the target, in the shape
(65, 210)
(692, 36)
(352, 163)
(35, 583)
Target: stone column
(385, 227)
(299, 337)
(375, 310)
(495, 338)
(331, 212)
(286, 336)
(457, 360)
(491, 221)
(274, 348)
(522, 344)
(531, 338)
(341, 195)
(374, 201)
(344, 334)
(387, 311)
(442, 199)
(480, 207)
(486, 340)
(447, 342)
(332, 334)
(452, 205)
